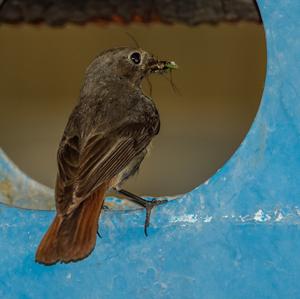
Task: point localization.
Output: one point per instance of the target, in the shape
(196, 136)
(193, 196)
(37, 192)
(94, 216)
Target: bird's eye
(135, 57)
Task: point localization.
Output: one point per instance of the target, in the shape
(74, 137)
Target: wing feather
(83, 170)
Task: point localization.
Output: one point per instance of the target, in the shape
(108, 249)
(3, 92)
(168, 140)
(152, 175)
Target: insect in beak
(161, 66)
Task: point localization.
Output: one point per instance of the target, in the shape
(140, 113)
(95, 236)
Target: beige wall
(221, 77)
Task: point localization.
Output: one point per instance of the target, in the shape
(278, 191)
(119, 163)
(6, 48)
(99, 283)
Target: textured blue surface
(236, 236)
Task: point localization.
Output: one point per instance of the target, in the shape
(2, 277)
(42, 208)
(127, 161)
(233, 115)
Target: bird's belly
(130, 170)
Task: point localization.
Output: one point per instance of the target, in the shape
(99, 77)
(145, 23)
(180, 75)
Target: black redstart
(105, 140)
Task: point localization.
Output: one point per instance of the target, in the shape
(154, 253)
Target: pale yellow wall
(221, 77)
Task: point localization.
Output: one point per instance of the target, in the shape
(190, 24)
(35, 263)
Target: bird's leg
(147, 204)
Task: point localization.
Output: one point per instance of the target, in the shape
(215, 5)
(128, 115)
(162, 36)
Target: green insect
(171, 65)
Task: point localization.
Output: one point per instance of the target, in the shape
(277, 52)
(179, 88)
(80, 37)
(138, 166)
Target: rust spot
(137, 18)
(6, 188)
(117, 19)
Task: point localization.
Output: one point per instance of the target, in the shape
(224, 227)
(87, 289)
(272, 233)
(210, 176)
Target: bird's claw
(149, 206)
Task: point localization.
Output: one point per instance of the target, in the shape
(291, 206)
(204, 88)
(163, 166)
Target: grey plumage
(113, 123)
(104, 142)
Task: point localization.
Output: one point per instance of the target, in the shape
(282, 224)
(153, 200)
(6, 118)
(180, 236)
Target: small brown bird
(105, 141)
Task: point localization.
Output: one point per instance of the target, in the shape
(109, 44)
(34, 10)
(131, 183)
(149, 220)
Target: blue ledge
(236, 236)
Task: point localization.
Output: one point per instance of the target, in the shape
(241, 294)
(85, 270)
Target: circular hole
(220, 77)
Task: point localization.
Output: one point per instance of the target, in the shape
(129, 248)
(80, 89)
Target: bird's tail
(72, 237)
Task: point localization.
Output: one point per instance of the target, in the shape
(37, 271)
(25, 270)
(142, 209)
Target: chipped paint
(207, 219)
(190, 218)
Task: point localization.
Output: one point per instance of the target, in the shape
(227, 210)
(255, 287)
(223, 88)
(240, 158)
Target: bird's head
(127, 63)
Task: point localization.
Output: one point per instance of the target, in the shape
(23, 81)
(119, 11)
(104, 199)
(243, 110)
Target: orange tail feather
(73, 237)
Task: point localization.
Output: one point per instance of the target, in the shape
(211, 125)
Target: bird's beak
(161, 66)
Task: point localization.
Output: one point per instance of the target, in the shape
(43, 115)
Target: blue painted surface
(236, 236)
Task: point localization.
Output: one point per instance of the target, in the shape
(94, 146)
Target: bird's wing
(83, 171)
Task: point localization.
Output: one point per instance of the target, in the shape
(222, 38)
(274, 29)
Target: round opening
(220, 77)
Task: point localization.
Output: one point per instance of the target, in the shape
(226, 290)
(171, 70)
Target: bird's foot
(147, 204)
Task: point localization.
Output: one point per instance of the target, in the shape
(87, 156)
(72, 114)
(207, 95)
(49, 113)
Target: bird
(106, 138)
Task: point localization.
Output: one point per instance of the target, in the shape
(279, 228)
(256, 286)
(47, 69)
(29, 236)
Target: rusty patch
(6, 188)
